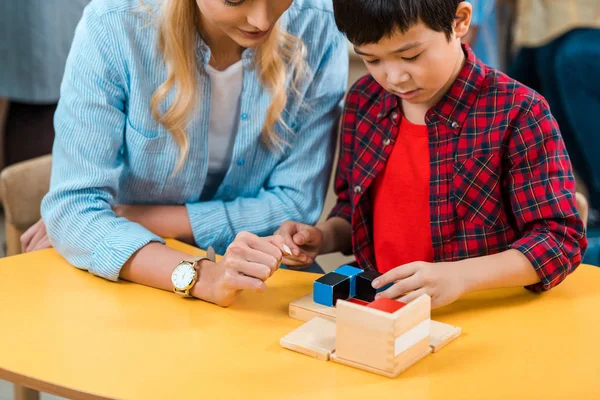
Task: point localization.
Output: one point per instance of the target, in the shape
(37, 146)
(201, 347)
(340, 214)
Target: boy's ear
(462, 19)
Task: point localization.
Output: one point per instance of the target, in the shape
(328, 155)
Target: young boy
(452, 177)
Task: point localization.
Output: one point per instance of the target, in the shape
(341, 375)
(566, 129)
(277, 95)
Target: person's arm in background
(78, 210)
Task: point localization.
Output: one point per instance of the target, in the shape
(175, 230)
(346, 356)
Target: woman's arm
(89, 123)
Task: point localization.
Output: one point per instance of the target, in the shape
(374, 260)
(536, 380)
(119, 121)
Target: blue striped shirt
(109, 150)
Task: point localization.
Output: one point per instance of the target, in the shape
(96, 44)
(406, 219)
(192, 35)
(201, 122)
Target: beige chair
(22, 187)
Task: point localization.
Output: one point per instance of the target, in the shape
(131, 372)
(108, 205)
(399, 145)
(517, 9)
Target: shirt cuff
(117, 247)
(546, 257)
(210, 225)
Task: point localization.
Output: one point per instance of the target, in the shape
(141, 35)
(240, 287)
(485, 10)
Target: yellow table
(69, 333)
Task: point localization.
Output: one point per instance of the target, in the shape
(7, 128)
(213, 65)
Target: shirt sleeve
(541, 187)
(87, 161)
(297, 186)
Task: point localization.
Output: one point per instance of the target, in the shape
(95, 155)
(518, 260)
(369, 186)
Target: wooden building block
(379, 339)
(316, 338)
(364, 288)
(305, 309)
(351, 272)
(331, 287)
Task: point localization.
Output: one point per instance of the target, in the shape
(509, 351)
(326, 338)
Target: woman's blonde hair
(281, 57)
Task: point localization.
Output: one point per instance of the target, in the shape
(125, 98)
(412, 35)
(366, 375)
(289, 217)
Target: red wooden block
(358, 301)
(387, 305)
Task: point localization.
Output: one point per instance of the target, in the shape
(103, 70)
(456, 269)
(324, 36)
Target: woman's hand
(35, 238)
(247, 264)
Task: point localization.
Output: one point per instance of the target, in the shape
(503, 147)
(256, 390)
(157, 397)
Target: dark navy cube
(364, 288)
(350, 272)
(331, 287)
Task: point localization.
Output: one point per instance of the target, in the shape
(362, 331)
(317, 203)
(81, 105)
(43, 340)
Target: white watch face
(183, 276)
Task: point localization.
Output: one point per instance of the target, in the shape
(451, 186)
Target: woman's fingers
(29, 234)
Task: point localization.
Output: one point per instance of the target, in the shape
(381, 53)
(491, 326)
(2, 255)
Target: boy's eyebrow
(400, 50)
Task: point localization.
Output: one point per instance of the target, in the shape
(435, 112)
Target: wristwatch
(185, 274)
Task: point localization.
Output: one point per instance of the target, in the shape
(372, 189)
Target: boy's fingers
(412, 296)
(303, 237)
(401, 288)
(286, 233)
(396, 274)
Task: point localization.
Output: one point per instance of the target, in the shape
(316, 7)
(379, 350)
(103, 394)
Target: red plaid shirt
(500, 174)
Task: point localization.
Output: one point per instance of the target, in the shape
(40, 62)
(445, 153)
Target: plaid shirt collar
(454, 107)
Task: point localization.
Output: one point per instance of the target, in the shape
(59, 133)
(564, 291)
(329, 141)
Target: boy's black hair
(369, 21)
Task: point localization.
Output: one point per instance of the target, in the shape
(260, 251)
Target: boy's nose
(397, 79)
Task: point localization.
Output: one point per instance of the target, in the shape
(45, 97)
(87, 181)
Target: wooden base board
(305, 309)
(442, 334)
(315, 338)
(394, 374)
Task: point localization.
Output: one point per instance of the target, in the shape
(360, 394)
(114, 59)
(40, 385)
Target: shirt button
(380, 115)
(357, 189)
(455, 125)
(387, 142)
(394, 116)
(241, 162)
(245, 116)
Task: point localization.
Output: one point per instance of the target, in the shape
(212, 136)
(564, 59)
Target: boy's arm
(507, 269)
(337, 236)
(541, 189)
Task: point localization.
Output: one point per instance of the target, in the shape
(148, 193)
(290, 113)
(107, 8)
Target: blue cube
(331, 287)
(350, 272)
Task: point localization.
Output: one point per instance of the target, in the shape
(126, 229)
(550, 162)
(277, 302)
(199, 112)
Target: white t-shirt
(226, 87)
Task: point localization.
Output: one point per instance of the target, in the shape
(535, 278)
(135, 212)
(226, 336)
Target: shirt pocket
(477, 190)
(150, 160)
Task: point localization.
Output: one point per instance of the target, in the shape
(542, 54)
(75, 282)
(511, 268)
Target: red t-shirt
(401, 220)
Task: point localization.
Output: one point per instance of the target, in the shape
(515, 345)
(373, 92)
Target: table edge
(47, 387)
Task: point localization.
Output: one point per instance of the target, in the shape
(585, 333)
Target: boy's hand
(441, 281)
(304, 242)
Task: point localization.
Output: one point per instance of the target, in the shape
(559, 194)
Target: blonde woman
(202, 120)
